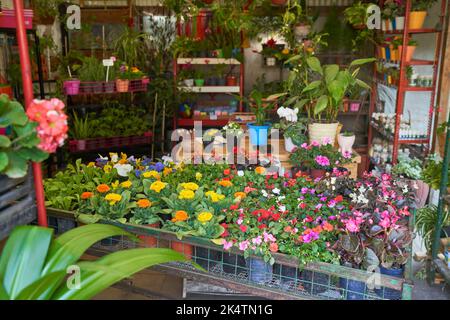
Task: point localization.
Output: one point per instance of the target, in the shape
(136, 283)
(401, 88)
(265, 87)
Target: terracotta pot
(346, 143)
(416, 19)
(409, 52)
(317, 173)
(149, 241)
(232, 81)
(319, 131)
(184, 248)
(122, 85)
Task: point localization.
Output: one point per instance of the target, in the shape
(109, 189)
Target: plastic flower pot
(346, 143)
(421, 193)
(150, 241)
(122, 85)
(218, 53)
(109, 87)
(233, 263)
(221, 82)
(199, 82)
(318, 131)
(352, 289)
(186, 249)
(231, 81)
(97, 87)
(354, 106)
(317, 173)
(72, 87)
(288, 144)
(81, 145)
(207, 258)
(409, 52)
(145, 80)
(399, 23)
(388, 293)
(260, 272)
(85, 87)
(258, 134)
(416, 19)
(188, 82)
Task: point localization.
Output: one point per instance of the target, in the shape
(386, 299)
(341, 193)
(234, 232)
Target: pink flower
(351, 225)
(268, 237)
(315, 144)
(243, 245)
(273, 247)
(239, 221)
(304, 190)
(347, 155)
(326, 140)
(385, 222)
(331, 203)
(227, 245)
(304, 145)
(257, 240)
(323, 161)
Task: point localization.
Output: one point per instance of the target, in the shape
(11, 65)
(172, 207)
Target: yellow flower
(204, 217)
(91, 164)
(151, 174)
(260, 170)
(114, 157)
(190, 186)
(167, 171)
(240, 195)
(198, 176)
(215, 197)
(285, 51)
(186, 194)
(134, 69)
(157, 186)
(115, 185)
(124, 158)
(126, 184)
(225, 183)
(107, 168)
(113, 198)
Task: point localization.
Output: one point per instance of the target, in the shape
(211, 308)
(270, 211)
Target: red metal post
(28, 94)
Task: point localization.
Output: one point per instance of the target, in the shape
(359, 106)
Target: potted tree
(419, 13)
(324, 96)
(259, 130)
(356, 15)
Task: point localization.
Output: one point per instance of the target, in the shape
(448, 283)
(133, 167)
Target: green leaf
(88, 218)
(17, 166)
(27, 134)
(99, 275)
(321, 105)
(69, 247)
(337, 90)
(314, 64)
(3, 160)
(23, 257)
(359, 62)
(33, 154)
(331, 71)
(44, 288)
(362, 84)
(3, 294)
(11, 113)
(313, 85)
(4, 141)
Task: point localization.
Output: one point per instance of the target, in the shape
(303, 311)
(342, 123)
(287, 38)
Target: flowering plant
(127, 73)
(291, 125)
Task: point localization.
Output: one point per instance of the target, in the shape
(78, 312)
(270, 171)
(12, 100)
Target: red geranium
(243, 228)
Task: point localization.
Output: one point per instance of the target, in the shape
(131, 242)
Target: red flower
(224, 225)
(243, 228)
(339, 198)
(226, 172)
(309, 219)
(265, 214)
(303, 205)
(234, 207)
(262, 226)
(225, 234)
(276, 216)
(273, 247)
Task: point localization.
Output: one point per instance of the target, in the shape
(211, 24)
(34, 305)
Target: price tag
(108, 62)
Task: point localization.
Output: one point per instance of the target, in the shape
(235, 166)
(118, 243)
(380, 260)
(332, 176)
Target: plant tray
(104, 143)
(17, 203)
(229, 269)
(8, 19)
(103, 87)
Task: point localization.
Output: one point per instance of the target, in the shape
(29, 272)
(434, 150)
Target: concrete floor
(423, 291)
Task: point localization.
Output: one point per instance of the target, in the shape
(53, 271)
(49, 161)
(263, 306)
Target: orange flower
(180, 215)
(328, 227)
(102, 188)
(86, 195)
(260, 170)
(240, 195)
(144, 203)
(225, 183)
(317, 229)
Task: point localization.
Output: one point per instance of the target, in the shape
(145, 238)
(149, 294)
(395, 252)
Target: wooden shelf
(212, 89)
(205, 122)
(206, 61)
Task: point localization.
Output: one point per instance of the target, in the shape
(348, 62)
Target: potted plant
(80, 130)
(146, 214)
(91, 74)
(294, 129)
(419, 13)
(187, 75)
(259, 130)
(123, 79)
(45, 11)
(199, 78)
(323, 97)
(346, 141)
(410, 49)
(270, 50)
(391, 10)
(356, 15)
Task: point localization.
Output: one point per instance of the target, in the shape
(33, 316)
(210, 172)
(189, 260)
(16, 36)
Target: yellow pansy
(91, 164)
(204, 217)
(151, 174)
(107, 168)
(126, 184)
(115, 184)
(190, 186)
(186, 194)
(157, 186)
(167, 171)
(198, 176)
(113, 198)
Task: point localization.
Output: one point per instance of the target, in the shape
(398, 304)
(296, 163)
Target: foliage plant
(426, 224)
(408, 168)
(81, 128)
(356, 15)
(44, 276)
(432, 171)
(20, 145)
(131, 47)
(46, 8)
(91, 69)
(422, 5)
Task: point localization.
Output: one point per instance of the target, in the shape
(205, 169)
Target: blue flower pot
(389, 293)
(259, 271)
(354, 289)
(258, 134)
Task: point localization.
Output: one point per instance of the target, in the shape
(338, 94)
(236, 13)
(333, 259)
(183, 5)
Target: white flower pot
(288, 144)
(189, 82)
(319, 131)
(399, 23)
(346, 143)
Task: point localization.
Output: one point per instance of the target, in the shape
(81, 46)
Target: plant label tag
(108, 62)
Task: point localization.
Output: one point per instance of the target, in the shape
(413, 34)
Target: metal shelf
(206, 61)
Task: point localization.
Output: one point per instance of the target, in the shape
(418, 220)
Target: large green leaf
(314, 64)
(321, 104)
(33, 154)
(362, 84)
(3, 160)
(11, 113)
(27, 134)
(99, 275)
(4, 141)
(359, 62)
(3, 294)
(69, 247)
(23, 257)
(330, 72)
(313, 85)
(43, 288)
(337, 90)
(17, 166)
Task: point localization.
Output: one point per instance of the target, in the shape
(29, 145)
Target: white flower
(114, 157)
(280, 198)
(405, 189)
(264, 193)
(123, 169)
(240, 173)
(282, 208)
(288, 113)
(167, 159)
(276, 191)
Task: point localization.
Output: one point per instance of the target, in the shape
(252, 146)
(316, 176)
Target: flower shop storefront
(247, 229)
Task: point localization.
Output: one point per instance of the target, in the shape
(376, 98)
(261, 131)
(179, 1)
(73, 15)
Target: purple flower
(331, 218)
(137, 173)
(159, 166)
(323, 161)
(100, 162)
(304, 190)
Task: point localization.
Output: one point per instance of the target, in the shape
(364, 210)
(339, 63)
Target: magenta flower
(243, 245)
(227, 245)
(257, 240)
(351, 225)
(323, 161)
(304, 190)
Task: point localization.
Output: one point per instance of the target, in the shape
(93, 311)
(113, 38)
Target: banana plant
(35, 266)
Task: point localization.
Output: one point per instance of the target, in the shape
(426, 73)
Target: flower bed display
(102, 143)
(283, 232)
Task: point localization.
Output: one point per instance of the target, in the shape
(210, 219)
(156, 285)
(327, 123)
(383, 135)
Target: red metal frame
(404, 87)
(28, 94)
